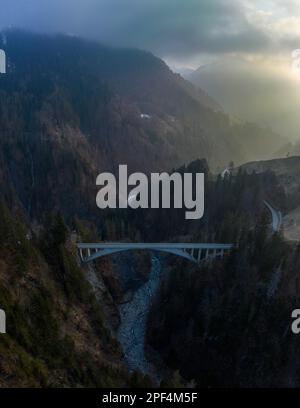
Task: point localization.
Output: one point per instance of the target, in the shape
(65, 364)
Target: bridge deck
(119, 245)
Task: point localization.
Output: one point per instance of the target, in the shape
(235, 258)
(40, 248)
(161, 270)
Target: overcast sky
(184, 32)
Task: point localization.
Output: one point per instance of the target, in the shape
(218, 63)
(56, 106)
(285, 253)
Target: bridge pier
(2, 322)
(80, 254)
(199, 255)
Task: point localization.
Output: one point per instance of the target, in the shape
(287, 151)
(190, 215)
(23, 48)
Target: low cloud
(174, 29)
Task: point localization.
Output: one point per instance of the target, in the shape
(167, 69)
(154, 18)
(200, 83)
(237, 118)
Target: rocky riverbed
(132, 329)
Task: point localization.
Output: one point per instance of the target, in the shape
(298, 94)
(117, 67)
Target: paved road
(276, 217)
(164, 245)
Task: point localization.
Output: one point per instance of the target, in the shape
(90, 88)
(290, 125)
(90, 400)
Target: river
(132, 329)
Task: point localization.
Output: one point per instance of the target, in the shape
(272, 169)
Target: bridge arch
(196, 253)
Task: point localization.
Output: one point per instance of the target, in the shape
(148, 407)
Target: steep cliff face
(53, 321)
(60, 317)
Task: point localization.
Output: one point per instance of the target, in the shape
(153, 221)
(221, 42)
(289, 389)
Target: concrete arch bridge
(194, 252)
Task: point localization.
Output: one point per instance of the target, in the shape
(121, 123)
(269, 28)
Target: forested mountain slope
(68, 110)
(71, 108)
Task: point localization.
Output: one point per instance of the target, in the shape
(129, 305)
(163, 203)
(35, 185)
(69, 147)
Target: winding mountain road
(276, 216)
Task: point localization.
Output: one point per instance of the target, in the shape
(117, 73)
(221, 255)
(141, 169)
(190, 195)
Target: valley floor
(132, 330)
